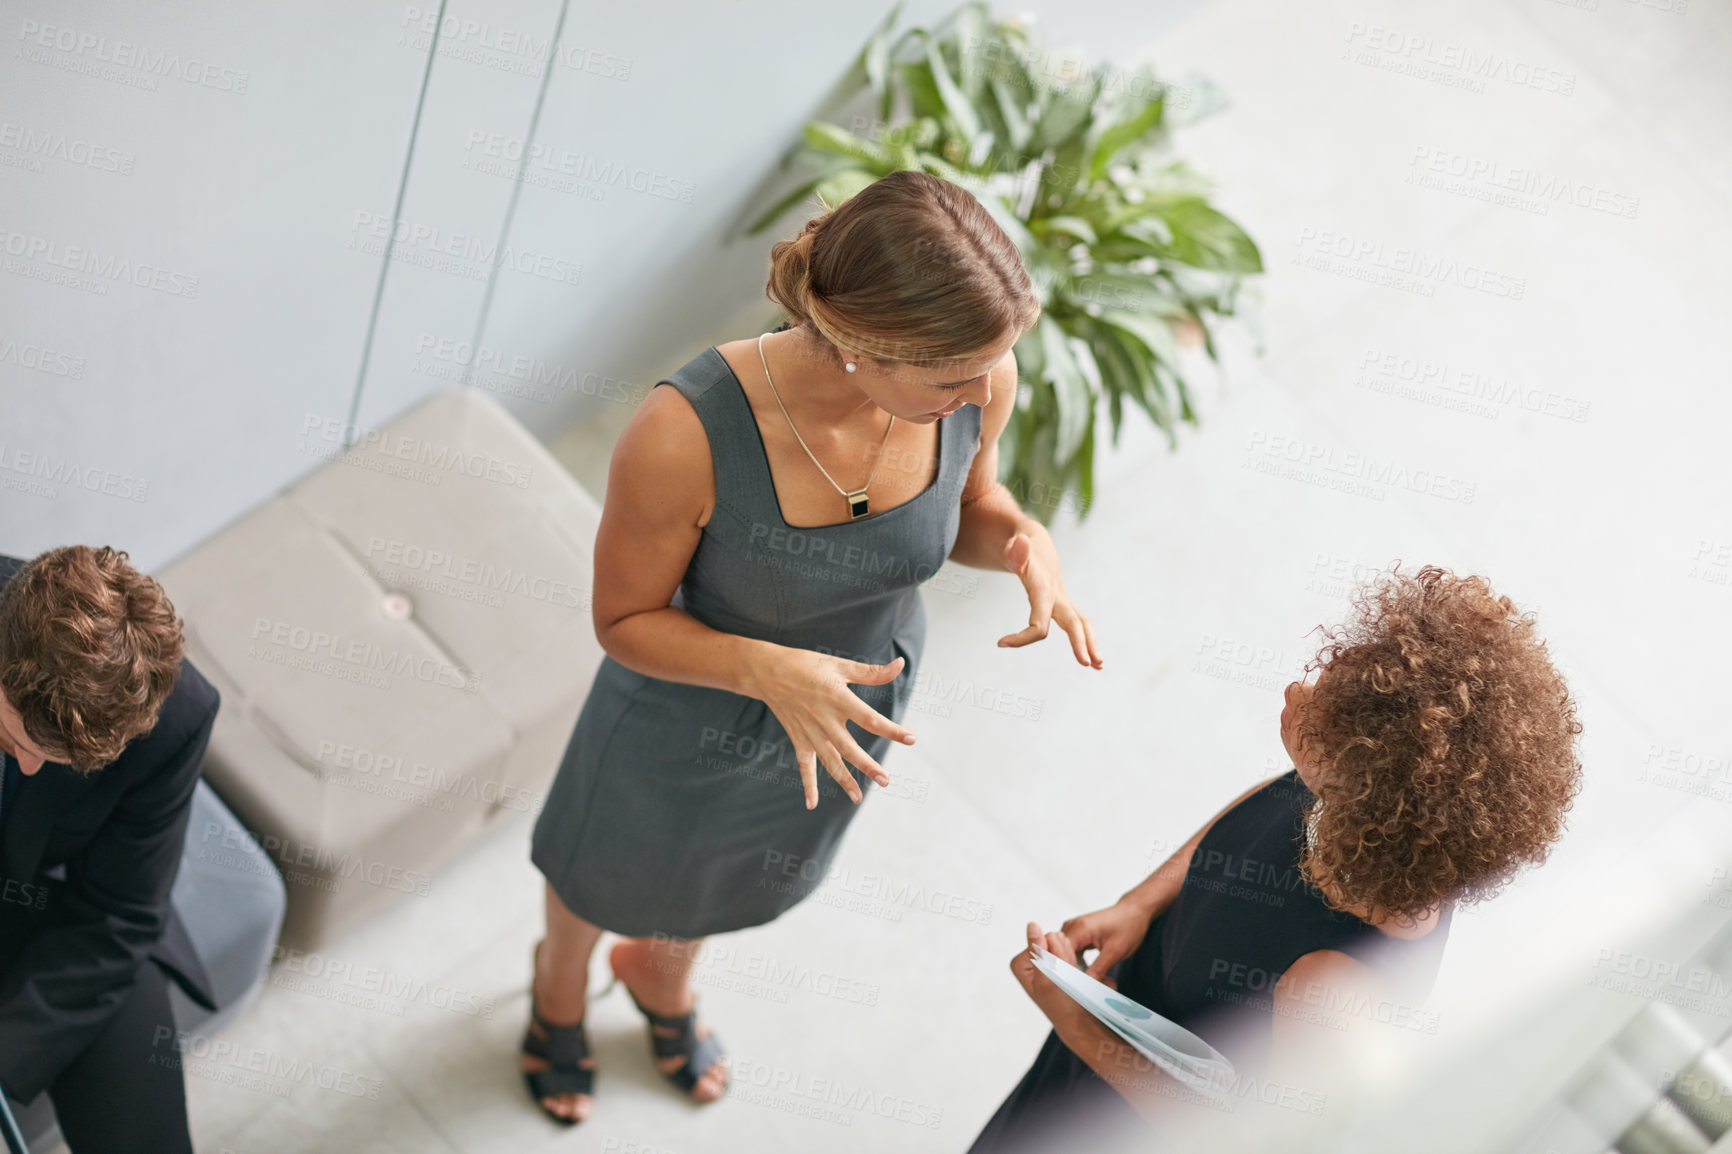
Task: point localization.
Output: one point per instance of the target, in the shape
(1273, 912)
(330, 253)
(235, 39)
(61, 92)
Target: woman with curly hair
(1434, 755)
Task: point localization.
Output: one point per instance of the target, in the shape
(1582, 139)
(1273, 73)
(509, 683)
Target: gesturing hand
(808, 692)
(1037, 567)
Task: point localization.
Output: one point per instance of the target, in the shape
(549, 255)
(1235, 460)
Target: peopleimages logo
(380, 980)
(363, 655)
(797, 1085)
(41, 359)
(445, 458)
(1360, 473)
(255, 1060)
(54, 470)
(1462, 389)
(101, 267)
(469, 570)
(829, 551)
(480, 361)
(48, 144)
(1547, 188)
(579, 165)
(1667, 980)
(448, 251)
(360, 764)
(124, 54)
(892, 891)
(1417, 49)
(1324, 244)
(337, 867)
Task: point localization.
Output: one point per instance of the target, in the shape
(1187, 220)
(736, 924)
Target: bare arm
(1323, 1004)
(1118, 930)
(990, 514)
(1147, 1088)
(1139, 1081)
(995, 533)
(1156, 892)
(660, 495)
(1307, 1056)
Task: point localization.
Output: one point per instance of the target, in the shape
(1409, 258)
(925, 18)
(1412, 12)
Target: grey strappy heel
(682, 1041)
(562, 1048)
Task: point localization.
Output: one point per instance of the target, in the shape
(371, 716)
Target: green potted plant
(1130, 260)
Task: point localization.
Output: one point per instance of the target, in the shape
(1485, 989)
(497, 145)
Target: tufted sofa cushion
(403, 642)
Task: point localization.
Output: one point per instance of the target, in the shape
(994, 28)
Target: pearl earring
(849, 365)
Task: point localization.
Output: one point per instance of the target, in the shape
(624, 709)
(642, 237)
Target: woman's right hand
(808, 692)
(1115, 931)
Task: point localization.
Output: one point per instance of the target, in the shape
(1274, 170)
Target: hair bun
(914, 269)
(791, 273)
(805, 243)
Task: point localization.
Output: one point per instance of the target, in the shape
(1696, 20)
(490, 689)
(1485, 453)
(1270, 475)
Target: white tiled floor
(1592, 523)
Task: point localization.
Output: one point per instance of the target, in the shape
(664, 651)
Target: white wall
(250, 159)
(189, 400)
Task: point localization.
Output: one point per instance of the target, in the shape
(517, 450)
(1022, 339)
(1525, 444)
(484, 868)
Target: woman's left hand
(1035, 562)
(1034, 983)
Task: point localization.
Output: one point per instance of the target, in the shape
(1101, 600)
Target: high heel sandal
(700, 1053)
(562, 1048)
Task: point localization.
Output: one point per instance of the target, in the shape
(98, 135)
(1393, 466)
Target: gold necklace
(857, 507)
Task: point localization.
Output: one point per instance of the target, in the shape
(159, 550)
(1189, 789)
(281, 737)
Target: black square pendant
(857, 504)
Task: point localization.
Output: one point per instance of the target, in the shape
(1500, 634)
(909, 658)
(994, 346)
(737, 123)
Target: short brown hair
(1448, 746)
(89, 650)
(911, 268)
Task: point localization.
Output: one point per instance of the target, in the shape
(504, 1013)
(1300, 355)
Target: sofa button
(397, 607)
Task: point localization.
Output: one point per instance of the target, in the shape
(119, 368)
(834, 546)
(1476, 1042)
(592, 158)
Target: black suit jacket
(70, 949)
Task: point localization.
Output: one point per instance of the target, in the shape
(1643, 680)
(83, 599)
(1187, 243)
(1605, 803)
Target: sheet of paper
(1171, 1047)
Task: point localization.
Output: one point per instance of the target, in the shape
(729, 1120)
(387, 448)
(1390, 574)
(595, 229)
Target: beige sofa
(402, 641)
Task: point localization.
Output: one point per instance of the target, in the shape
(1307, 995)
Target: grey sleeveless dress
(677, 809)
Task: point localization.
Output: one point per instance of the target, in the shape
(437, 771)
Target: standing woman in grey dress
(768, 521)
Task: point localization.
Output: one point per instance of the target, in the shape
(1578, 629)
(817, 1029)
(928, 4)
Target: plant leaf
(1064, 113)
(1123, 292)
(1156, 203)
(1070, 389)
(1152, 390)
(1118, 372)
(954, 102)
(842, 184)
(1073, 225)
(1085, 472)
(1124, 132)
(1152, 331)
(1119, 238)
(973, 33)
(922, 89)
(838, 141)
(1058, 178)
(782, 206)
(1016, 123)
(1205, 238)
(875, 60)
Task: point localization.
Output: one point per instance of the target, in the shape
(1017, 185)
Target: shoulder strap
(736, 446)
(962, 428)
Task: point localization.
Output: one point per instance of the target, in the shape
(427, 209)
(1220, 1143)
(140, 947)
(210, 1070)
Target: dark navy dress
(1210, 961)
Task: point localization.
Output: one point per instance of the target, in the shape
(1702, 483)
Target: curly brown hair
(1447, 746)
(89, 650)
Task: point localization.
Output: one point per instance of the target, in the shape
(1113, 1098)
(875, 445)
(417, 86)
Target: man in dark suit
(103, 726)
